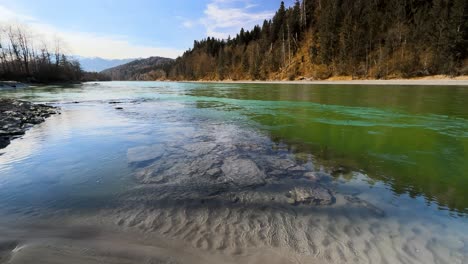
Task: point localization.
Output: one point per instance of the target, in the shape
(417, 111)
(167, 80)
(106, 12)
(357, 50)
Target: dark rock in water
(307, 195)
(341, 170)
(4, 141)
(17, 116)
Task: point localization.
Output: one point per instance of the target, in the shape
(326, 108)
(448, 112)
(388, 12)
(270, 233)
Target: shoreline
(12, 85)
(20, 85)
(423, 81)
(17, 116)
(463, 81)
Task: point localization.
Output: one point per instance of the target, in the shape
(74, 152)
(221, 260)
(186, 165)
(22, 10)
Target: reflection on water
(394, 158)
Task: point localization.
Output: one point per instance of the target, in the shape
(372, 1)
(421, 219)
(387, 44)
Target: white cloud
(187, 24)
(88, 44)
(227, 17)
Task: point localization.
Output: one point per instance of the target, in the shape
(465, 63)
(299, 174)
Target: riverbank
(429, 80)
(17, 116)
(12, 85)
(19, 85)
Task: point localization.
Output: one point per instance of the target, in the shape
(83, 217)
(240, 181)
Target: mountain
(152, 68)
(97, 64)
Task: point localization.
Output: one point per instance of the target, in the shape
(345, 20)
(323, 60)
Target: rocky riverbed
(17, 116)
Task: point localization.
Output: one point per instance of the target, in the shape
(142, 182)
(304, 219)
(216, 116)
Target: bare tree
(20, 59)
(23, 44)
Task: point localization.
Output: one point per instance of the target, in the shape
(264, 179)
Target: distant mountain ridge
(97, 64)
(152, 68)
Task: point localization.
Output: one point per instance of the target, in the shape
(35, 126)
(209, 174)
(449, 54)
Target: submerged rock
(174, 168)
(17, 116)
(199, 148)
(145, 153)
(312, 176)
(242, 172)
(307, 195)
(365, 204)
(280, 163)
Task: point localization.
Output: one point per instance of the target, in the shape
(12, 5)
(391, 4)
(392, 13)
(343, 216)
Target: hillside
(377, 39)
(97, 64)
(380, 39)
(153, 68)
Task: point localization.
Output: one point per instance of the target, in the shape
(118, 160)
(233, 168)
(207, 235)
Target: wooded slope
(153, 68)
(319, 39)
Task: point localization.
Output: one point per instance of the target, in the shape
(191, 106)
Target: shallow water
(95, 179)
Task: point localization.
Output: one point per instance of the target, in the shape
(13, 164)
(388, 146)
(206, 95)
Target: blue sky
(135, 28)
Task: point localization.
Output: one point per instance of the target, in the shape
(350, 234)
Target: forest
(320, 39)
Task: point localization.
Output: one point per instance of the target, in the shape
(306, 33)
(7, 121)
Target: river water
(159, 172)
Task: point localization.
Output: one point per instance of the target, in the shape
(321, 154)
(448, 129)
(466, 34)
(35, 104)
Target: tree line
(24, 56)
(319, 39)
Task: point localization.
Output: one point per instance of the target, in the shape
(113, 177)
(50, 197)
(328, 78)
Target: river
(161, 172)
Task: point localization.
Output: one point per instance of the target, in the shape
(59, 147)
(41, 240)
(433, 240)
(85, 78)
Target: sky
(116, 29)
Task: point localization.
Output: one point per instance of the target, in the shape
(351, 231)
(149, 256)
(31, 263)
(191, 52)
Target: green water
(414, 138)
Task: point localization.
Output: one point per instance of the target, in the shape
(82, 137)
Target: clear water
(402, 148)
